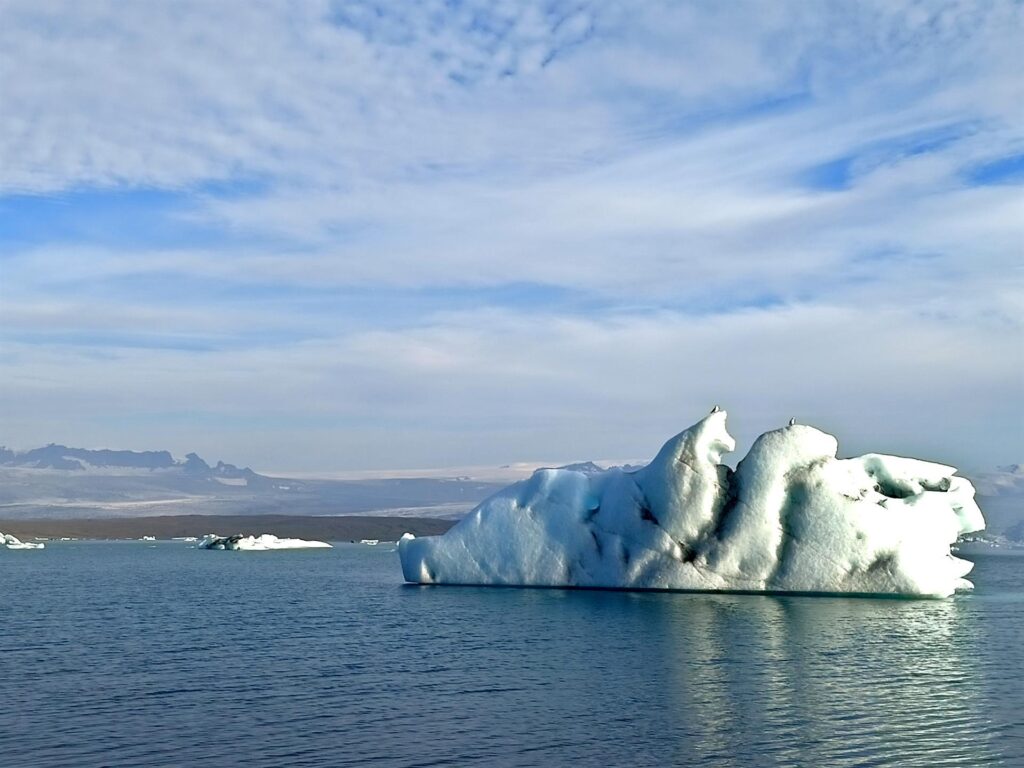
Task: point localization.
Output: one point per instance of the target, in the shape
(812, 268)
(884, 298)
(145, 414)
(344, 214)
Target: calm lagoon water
(143, 654)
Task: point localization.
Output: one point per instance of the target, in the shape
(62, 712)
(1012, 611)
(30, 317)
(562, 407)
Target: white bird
(792, 422)
(716, 409)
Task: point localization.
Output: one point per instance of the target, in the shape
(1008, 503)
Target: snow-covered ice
(791, 518)
(13, 542)
(260, 543)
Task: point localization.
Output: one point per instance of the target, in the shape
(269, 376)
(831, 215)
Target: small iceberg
(370, 542)
(262, 543)
(13, 542)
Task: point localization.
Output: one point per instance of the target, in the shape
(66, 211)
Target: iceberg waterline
(791, 518)
(266, 541)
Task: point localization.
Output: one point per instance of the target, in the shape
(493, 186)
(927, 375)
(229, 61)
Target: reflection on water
(822, 681)
(831, 681)
(124, 655)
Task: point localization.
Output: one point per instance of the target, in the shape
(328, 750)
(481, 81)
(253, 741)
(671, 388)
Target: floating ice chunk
(791, 518)
(13, 542)
(264, 542)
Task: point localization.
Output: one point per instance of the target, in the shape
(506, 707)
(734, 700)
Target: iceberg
(791, 518)
(13, 542)
(261, 543)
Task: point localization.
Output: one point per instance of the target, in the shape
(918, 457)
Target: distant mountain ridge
(591, 468)
(58, 481)
(57, 456)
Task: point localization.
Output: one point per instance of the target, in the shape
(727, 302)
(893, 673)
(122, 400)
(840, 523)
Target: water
(135, 654)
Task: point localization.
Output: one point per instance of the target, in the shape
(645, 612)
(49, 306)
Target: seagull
(792, 422)
(716, 409)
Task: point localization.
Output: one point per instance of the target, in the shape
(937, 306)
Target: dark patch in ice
(796, 500)
(724, 475)
(729, 503)
(891, 490)
(886, 562)
(942, 485)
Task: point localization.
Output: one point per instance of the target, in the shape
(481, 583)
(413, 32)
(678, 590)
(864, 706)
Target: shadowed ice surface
(132, 654)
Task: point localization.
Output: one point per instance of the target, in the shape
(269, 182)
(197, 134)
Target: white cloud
(329, 93)
(649, 160)
(500, 387)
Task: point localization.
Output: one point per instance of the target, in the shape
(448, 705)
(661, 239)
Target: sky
(322, 236)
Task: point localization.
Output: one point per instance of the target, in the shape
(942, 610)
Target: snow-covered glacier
(791, 518)
(261, 543)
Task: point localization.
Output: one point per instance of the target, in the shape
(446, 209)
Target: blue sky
(329, 235)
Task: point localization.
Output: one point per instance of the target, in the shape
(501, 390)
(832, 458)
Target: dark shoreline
(343, 528)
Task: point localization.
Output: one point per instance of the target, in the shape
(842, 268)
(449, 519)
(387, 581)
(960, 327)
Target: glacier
(792, 517)
(261, 543)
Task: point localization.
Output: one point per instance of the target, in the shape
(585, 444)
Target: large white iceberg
(791, 518)
(13, 542)
(261, 543)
